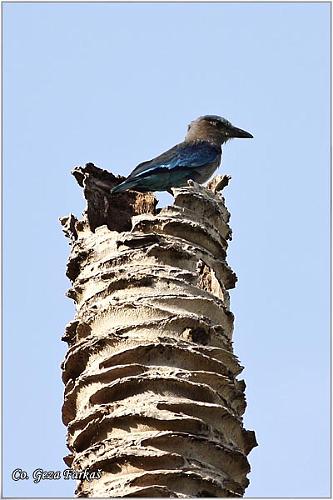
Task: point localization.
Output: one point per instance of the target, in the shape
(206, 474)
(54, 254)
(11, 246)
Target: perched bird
(196, 158)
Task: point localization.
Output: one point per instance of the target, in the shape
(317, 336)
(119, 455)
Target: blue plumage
(196, 158)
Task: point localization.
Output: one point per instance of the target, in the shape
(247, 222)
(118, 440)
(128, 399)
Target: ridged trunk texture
(151, 395)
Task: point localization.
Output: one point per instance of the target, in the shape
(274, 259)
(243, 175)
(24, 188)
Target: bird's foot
(193, 184)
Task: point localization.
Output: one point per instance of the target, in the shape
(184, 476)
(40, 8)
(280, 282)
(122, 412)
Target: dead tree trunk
(151, 395)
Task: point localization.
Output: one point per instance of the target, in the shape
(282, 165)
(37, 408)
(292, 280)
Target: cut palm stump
(151, 396)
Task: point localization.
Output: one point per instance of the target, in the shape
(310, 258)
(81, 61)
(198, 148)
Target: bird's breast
(204, 173)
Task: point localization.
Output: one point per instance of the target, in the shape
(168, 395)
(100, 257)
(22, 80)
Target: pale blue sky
(116, 84)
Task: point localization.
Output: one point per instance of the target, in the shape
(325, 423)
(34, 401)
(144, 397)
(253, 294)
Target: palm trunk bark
(151, 395)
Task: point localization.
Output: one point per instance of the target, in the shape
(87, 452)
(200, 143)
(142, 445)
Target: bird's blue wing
(183, 155)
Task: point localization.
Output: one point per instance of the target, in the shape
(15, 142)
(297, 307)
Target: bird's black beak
(238, 132)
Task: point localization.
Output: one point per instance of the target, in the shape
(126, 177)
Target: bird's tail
(123, 186)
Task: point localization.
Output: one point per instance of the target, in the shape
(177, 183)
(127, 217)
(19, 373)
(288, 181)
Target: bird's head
(214, 128)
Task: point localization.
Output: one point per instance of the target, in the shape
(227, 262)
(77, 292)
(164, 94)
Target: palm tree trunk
(152, 402)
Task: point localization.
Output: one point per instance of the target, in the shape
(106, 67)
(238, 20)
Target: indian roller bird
(196, 158)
